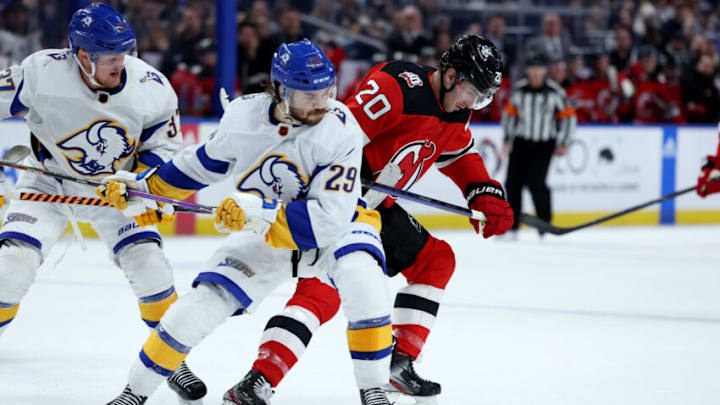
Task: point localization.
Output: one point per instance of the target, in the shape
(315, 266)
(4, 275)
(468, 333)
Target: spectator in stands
(623, 54)
(699, 92)
(553, 41)
(410, 41)
(653, 101)
(290, 31)
(154, 46)
(183, 50)
(496, 28)
(17, 38)
(674, 26)
(252, 75)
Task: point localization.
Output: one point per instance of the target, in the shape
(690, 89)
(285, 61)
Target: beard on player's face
(308, 117)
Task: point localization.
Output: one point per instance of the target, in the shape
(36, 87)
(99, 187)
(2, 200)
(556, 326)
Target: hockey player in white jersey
(294, 156)
(92, 109)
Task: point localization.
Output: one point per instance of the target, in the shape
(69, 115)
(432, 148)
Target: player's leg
(288, 333)
(29, 230)
(537, 175)
(366, 303)
(285, 339)
(193, 317)
(427, 263)
(138, 252)
(228, 288)
(516, 179)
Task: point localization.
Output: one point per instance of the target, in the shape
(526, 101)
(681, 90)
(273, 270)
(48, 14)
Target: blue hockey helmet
(100, 29)
(301, 66)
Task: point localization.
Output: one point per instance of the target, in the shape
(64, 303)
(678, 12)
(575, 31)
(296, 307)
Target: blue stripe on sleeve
(298, 219)
(150, 159)
(17, 105)
(148, 132)
(174, 177)
(210, 164)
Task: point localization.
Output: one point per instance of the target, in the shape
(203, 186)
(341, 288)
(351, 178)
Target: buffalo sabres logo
(98, 148)
(275, 177)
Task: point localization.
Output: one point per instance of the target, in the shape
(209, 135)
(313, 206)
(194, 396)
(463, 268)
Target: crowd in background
(619, 61)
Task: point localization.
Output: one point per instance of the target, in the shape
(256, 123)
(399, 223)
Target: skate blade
(182, 401)
(398, 398)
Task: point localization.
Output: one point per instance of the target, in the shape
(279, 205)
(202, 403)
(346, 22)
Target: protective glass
(481, 99)
(309, 99)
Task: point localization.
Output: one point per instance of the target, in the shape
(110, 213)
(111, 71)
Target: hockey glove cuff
(709, 180)
(489, 198)
(244, 211)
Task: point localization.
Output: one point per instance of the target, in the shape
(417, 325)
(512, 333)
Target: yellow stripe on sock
(153, 311)
(161, 353)
(7, 314)
(370, 340)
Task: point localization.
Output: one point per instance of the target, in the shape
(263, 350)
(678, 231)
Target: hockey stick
(421, 199)
(67, 199)
(16, 154)
(190, 207)
(542, 226)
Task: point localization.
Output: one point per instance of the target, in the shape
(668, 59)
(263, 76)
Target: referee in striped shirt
(537, 123)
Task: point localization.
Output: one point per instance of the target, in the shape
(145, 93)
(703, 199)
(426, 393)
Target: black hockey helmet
(475, 59)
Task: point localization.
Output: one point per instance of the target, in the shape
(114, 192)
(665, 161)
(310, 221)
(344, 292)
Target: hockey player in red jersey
(413, 117)
(709, 180)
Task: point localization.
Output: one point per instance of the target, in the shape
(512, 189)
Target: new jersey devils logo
(411, 159)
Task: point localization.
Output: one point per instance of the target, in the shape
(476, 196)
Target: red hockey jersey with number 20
(405, 124)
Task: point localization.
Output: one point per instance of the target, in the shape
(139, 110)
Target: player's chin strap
(443, 90)
(90, 75)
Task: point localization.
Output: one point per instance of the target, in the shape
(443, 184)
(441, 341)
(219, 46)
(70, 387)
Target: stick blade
(542, 226)
(16, 154)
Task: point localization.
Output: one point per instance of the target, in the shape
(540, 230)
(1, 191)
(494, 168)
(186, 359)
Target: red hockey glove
(489, 198)
(709, 180)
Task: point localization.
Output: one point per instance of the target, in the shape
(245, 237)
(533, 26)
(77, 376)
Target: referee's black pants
(528, 166)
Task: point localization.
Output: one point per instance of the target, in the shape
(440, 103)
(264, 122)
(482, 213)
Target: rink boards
(608, 168)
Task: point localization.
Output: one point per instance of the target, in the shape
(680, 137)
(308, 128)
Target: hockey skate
(374, 396)
(128, 398)
(404, 381)
(189, 388)
(254, 389)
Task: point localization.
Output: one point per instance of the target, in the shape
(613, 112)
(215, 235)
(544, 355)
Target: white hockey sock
(142, 380)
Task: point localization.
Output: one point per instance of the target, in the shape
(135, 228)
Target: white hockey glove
(245, 211)
(389, 176)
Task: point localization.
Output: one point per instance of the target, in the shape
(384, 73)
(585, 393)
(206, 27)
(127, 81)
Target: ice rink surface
(603, 316)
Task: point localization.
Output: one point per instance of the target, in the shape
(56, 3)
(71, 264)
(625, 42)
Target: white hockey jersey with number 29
(83, 136)
(314, 170)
